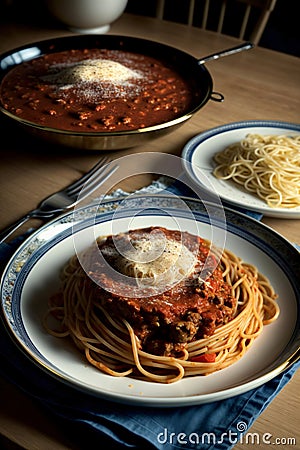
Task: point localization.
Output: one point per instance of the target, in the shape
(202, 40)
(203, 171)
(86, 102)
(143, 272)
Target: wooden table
(258, 84)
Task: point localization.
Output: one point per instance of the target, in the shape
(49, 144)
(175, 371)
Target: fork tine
(102, 175)
(81, 181)
(89, 180)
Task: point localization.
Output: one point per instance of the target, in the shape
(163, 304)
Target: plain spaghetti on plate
(268, 166)
(160, 305)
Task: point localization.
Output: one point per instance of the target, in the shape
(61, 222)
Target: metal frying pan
(191, 68)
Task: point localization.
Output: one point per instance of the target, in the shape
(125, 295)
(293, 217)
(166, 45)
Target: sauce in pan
(96, 90)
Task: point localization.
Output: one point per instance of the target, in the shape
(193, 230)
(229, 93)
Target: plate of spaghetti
(254, 165)
(155, 300)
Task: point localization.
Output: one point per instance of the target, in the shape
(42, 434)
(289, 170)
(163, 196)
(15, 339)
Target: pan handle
(217, 97)
(229, 51)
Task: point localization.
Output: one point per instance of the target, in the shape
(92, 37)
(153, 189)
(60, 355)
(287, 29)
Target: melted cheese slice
(155, 262)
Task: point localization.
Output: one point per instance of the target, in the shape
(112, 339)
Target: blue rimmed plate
(197, 158)
(32, 275)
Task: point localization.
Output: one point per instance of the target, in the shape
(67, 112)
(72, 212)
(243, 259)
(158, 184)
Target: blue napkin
(181, 187)
(218, 425)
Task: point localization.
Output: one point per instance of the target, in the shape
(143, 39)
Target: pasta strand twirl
(268, 166)
(110, 344)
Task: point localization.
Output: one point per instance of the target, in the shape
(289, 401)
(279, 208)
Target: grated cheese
(156, 261)
(94, 70)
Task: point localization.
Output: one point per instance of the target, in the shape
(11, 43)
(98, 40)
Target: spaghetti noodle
(110, 342)
(268, 166)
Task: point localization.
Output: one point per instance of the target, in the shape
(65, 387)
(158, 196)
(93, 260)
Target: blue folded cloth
(183, 187)
(218, 425)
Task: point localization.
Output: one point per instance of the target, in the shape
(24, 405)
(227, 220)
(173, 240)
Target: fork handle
(8, 231)
(34, 214)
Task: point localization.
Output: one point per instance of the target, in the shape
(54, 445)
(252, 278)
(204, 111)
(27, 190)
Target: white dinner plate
(32, 275)
(197, 158)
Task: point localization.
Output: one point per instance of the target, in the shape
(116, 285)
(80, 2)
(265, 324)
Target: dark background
(282, 32)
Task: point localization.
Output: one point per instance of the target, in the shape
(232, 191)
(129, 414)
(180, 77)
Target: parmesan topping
(155, 261)
(94, 70)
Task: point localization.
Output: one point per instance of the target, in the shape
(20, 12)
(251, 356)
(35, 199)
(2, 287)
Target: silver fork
(66, 198)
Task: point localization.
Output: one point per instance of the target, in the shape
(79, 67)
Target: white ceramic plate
(33, 274)
(197, 157)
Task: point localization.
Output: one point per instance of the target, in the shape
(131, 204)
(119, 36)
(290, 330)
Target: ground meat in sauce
(190, 310)
(159, 94)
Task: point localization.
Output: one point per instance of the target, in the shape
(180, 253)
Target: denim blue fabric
(218, 425)
(215, 426)
(181, 187)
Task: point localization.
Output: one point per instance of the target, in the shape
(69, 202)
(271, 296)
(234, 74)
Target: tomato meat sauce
(165, 322)
(99, 90)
